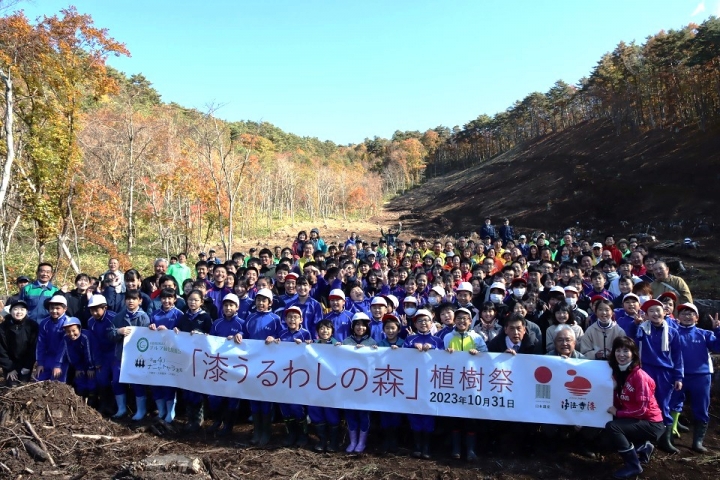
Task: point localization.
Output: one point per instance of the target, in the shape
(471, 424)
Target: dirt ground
(120, 450)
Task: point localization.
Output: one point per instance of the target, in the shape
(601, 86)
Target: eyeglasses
(422, 320)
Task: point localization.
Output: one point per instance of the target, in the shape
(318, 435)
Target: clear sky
(346, 70)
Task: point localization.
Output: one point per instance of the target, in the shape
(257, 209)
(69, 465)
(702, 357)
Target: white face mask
(496, 298)
(410, 311)
(571, 301)
(433, 301)
(519, 292)
(644, 298)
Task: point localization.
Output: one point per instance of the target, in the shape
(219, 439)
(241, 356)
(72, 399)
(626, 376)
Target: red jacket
(637, 398)
(615, 252)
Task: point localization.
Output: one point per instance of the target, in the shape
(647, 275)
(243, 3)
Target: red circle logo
(543, 375)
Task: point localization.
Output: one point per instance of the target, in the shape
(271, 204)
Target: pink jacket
(637, 398)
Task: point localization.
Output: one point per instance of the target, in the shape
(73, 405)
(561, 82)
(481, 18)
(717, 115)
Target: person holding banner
(423, 340)
(325, 418)
(131, 316)
(358, 420)
(637, 416)
(514, 338)
(293, 414)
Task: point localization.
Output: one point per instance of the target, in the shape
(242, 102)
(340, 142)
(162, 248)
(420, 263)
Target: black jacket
(527, 346)
(17, 344)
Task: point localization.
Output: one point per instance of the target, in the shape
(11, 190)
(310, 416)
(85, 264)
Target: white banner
(494, 386)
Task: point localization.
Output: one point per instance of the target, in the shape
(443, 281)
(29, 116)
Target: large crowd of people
(492, 292)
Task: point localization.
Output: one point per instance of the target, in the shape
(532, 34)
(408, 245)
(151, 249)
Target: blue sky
(347, 70)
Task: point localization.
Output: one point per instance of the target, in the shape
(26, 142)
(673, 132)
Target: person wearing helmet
(50, 341)
(423, 340)
(101, 320)
(358, 420)
(339, 317)
(77, 352)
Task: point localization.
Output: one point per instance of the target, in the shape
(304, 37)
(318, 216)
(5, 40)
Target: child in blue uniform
(165, 318)
(695, 344)
(50, 341)
(390, 421)
(131, 316)
(77, 352)
(231, 327)
(358, 420)
(195, 320)
(325, 418)
(662, 360)
(99, 324)
(422, 425)
(312, 311)
(378, 308)
(293, 414)
(260, 325)
(339, 317)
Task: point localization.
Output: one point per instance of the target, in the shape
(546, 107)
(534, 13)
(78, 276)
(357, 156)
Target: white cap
(557, 289)
(394, 300)
(422, 313)
(439, 290)
(465, 287)
(597, 245)
(410, 300)
(97, 300)
(295, 309)
(360, 316)
(688, 306)
(498, 285)
(337, 293)
(231, 297)
(631, 295)
(570, 288)
(379, 301)
(463, 309)
(265, 292)
(58, 300)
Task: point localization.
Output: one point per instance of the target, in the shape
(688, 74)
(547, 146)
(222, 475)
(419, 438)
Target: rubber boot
(121, 401)
(682, 428)
(161, 408)
(362, 441)
(645, 452)
(456, 440)
(141, 403)
(321, 432)
(698, 437)
(106, 398)
(632, 466)
(418, 444)
(676, 418)
(665, 444)
(92, 400)
(266, 430)
(170, 408)
(426, 445)
(302, 433)
(390, 444)
(333, 445)
(257, 429)
(470, 445)
(292, 433)
(353, 434)
(228, 422)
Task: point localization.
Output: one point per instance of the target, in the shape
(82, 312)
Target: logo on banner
(578, 386)
(140, 362)
(143, 344)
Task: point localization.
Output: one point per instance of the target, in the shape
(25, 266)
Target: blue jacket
(312, 312)
(487, 231)
(694, 344)
(228, 327)
(651, 353)
(77, 353)
(217, 295)
(288, 336)
(423, 338)
(261, 325)
(116, 301)
(376, 330)
(50, 340)
(167, 319)
(341, 322)
(126, 319)
(99, 329)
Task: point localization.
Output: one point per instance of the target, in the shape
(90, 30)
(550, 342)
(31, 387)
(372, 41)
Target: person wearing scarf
(662, 359)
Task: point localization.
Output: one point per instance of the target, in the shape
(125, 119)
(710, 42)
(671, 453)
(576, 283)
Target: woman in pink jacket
(637, 417)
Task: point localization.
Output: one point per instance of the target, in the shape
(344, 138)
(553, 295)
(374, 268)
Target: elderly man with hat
(18, 341)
